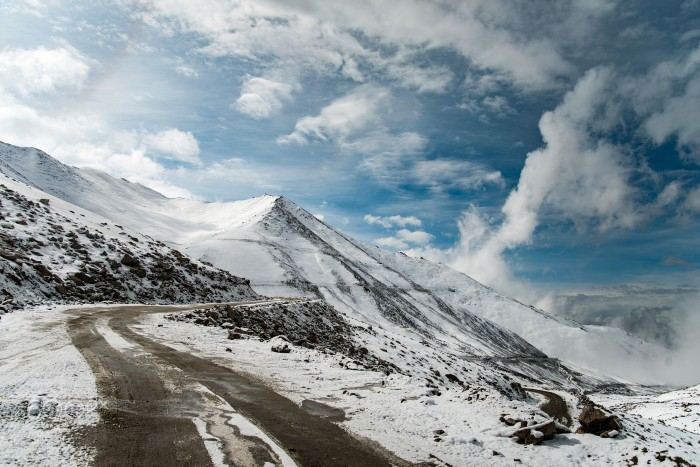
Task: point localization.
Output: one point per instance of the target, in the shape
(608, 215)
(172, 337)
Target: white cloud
(444, 174)
(355, 124)
(680, 117)
(261, 97)
(341, 119)
(416, 237)
(404, 239)
(41, 70)
(393, 221)
(321, 36)
(85, 140)
(576, 175)
(692, 201)
(187, 71)
(174, 144)
(392, 243)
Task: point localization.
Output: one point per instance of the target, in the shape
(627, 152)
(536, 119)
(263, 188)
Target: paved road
(555, 406)
(152, 395)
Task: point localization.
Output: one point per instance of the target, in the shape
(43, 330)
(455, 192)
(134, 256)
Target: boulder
(279, 344)
(130, 261)
(536, 434)
(595, 421)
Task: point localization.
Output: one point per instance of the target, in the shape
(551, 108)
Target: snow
(47, 391)
(397, 411)
(53, 250)
(679, 408)
(285, 251)
(425, 318)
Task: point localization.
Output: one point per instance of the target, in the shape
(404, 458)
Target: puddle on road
(322, 410)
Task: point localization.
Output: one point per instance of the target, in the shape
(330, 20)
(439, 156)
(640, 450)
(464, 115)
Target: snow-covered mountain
(286, 251)
(53, 250)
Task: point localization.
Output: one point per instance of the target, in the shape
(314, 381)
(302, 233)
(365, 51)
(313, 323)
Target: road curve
(555, 406)
(149, 406)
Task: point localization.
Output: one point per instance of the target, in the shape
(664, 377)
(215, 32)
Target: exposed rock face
(595, 420)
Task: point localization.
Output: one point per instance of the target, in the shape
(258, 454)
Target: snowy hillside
(286, 251)
(52, 250)
(413, 355)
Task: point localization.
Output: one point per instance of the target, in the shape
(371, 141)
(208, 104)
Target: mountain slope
(286, 251)
(52, 250)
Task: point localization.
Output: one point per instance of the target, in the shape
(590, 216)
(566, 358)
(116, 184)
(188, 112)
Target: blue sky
(525, 143)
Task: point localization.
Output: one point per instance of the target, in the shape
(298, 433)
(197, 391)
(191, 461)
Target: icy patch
(211, 443)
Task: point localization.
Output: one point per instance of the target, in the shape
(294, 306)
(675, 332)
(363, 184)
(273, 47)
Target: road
(163, 407)
(555, 406)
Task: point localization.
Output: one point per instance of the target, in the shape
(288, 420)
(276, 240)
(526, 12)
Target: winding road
(555, 406)
(163, 407)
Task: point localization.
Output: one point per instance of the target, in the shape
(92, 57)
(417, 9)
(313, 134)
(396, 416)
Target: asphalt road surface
(163, 407)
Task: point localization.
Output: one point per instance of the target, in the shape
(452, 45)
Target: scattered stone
(130, 261)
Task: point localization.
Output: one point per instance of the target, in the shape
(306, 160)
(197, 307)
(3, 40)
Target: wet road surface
(152, 397)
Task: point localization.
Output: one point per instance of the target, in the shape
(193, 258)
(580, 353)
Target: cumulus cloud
(174, 144)
(576, 175)
(42, 70)
(261, 97)
(393, 221)
(341, 119)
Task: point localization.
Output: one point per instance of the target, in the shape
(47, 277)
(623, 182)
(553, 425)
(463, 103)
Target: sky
(537, 146)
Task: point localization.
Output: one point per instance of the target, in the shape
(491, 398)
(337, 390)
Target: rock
(453, 379)
(234, 335)
(130, 261)
(595, 421)
(536, 434)
(44, 201)
(213, 314)
(279, 344)
(34, 407)
(508, 420)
